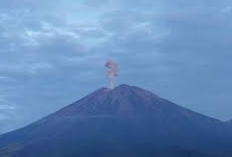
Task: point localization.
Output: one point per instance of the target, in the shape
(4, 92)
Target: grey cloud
(6, 113)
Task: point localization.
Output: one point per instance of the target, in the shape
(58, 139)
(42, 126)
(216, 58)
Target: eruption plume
(112, 72)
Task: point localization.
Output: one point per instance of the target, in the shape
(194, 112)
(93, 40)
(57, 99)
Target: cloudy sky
(52, 52)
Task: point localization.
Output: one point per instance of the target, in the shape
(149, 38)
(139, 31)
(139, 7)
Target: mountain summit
(123, 99)
(124, 121)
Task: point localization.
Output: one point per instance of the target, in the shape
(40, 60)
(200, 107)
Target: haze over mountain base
(124, 122)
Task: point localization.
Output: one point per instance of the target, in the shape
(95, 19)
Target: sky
(52, 53)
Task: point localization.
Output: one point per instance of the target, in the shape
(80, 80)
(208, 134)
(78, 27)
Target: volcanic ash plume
(112, 72)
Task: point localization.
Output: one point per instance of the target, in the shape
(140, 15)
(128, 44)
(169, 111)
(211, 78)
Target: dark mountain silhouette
(229, 122)
(127, 122)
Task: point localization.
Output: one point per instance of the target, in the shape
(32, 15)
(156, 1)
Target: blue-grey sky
(52, 52)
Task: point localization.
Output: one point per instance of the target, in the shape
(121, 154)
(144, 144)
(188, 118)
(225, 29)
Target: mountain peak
(125, 100)
(124, 119)
(120, 100)
(124, 86)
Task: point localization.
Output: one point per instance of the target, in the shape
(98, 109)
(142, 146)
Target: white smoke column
(112, 72)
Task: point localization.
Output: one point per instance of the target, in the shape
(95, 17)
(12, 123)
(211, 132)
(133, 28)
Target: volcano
(123, 122)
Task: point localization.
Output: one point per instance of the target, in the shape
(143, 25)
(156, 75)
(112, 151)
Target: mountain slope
(126, 121)
(229, 122)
